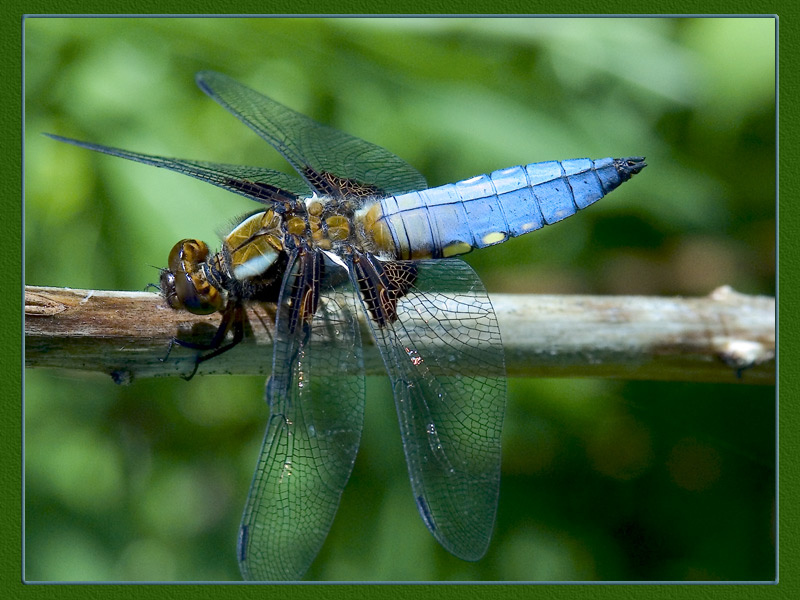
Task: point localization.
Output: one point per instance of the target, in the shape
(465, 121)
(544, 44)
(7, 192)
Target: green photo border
(789, 223)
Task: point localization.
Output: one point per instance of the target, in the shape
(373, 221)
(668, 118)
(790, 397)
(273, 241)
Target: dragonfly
(358, 231)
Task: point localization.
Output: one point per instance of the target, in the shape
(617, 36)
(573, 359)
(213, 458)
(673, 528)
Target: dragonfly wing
(256, 183)
(316, 400)
(307, 144)
(445, 360)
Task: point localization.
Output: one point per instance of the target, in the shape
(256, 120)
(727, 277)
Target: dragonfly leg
(231, 320)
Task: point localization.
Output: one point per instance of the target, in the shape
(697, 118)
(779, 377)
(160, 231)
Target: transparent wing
(261, 185)
(316, 399)
(307, 144)
(445, 360)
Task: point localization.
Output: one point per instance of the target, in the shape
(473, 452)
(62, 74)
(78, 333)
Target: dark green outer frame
(12, 328)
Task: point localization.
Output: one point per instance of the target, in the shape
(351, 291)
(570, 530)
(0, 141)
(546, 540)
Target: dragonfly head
(185, 285)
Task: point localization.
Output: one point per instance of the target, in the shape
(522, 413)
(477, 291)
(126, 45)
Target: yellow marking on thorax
(338, 228)
(314, 207)
(296, 226)
(255, 243)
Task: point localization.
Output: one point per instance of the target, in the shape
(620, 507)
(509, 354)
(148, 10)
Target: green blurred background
(602, 480)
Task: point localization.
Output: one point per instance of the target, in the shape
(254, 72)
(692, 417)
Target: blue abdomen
(488, 209)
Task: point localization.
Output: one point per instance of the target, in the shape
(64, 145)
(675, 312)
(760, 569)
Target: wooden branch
(724, 337)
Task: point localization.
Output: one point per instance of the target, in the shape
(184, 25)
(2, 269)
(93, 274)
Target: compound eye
(196, 295)
(187, 255)
(184, 284)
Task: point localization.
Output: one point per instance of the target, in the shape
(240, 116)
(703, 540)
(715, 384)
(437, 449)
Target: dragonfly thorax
(339, 225)
(325, 224)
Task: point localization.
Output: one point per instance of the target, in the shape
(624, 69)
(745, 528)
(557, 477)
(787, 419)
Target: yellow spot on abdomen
(456, 249)
(494, 237)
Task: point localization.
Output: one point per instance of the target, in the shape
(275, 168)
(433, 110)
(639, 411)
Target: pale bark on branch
(723, 337)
